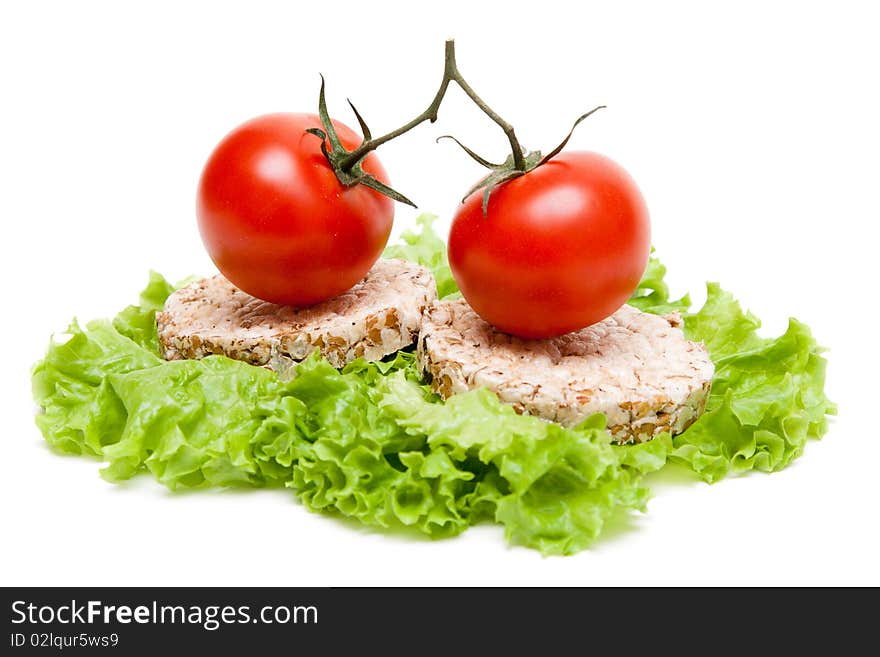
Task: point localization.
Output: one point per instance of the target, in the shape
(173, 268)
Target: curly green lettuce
(767, 396)
(372, 442)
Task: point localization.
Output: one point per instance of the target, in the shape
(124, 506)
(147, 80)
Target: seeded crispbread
(379, 315)
(636, 368)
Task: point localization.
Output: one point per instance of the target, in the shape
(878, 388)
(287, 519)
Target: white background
(752, 131)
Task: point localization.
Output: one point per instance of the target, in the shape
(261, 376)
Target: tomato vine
(347, 163)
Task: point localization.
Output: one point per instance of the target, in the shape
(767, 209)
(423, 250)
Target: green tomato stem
(450, 74)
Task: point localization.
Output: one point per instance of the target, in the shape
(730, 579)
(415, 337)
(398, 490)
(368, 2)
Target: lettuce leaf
(767, 394)
(138, 322)
(80, 412)
(372, 442)
(552, 488)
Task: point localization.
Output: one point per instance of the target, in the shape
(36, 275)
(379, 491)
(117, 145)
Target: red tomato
(562, 247)
(277, 222)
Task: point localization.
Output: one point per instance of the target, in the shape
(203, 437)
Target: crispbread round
(636, 368)
(376, 317)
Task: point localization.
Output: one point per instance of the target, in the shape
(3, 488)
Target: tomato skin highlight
(278, 223)
(562, 247)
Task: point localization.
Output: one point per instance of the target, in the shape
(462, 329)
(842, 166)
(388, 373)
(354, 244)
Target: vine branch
(347, 165)
(450, 74)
